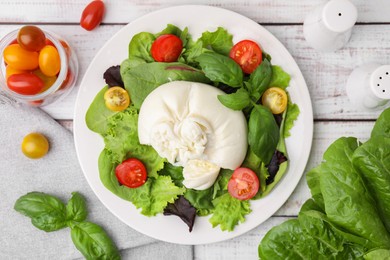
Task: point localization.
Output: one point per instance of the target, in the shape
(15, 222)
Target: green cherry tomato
(35, 145)
(25, 83)
(31, 38)
(19, 58)
(49, 61)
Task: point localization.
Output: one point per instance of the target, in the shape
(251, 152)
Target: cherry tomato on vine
(131, 173)
(19, 58)
(244, 184)
(49, 61)
(116, 98)
(25, 83)
(275, 99)
(167, 48)
(31, 38)
(247, 54)
(92, 15)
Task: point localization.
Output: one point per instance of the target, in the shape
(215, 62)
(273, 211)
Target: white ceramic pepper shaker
(329, 27)
(368, 86)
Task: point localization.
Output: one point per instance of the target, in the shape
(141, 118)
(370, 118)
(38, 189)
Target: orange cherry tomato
(25, 83)
(31, 38)
(9, 70)
(92, 15)
(275, 99)
(247, 54)
(47, 81)
(116, 98)
(49, 61)
(19, 58)
(35, 145)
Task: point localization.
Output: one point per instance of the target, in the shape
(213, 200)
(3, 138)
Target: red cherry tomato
(131, 173)
(31, 38)
(92, 15)
(244, 184)
(25, 83)
(247, 54)
(19, 58)
(167, 48)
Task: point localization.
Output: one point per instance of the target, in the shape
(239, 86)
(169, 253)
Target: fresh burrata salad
(193, 127)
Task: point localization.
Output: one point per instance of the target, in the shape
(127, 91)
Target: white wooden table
(325, 74)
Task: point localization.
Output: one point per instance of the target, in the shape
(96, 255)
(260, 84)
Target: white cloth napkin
(59, 174)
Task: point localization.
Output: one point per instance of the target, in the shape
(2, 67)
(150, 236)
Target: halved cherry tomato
(92, 15)
(49, 61)
(35, 145)
(9, 70)
(244, 184)
(131, 173)
(247, 54)
(31, 38)
(25, 83)
(20, 58)
(116, 99)
(275, 99)
(167, 48)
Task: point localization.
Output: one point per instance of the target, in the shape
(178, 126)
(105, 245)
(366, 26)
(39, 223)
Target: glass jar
(66, 77)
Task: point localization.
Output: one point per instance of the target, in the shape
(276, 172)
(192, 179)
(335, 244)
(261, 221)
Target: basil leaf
(259, 79)
(93, 242)
(76, 208)
(219, 68)
(236, 101)
(140, 45)
(263, 133)
(46, 212)
(220, 41)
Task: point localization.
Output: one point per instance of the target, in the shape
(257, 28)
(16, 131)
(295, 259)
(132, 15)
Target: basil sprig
(49, 213)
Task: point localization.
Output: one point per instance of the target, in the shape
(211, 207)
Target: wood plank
(122, 11)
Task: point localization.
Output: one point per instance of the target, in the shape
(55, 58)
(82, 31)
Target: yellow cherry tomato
(116, 99)
(19, 58)
(275, 99)
(47, 81)
(9, 70)
(35, 145)
(49, 61)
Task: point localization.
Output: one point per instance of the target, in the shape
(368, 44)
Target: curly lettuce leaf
(229, 212)
(220, 41)
(280, 78)
(291, 115)
(201, 200)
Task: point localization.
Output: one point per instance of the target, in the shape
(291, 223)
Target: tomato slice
(244, 184)
(247, 54)
(131, 173)
(167, 48)
(92, 15)
(275, 99)
(116, 99)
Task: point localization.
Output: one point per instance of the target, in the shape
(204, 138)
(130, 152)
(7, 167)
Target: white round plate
(198, 19)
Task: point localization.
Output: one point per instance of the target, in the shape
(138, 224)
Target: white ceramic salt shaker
(329, 27)
(368, 86)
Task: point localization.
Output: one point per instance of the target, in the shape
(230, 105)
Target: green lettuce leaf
(291, 115)
(229, 212)
(220, 41)
(382, 125)
(175, 172)
(280, 78)
(140, 45)
(201, 200)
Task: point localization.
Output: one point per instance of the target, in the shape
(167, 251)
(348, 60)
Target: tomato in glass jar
(31, 38)
(19, 58)
(49, 61)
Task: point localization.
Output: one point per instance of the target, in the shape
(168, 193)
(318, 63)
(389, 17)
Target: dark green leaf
(76, 209)
(382, 125)
(176, 173)
(236, 101)
(201, 199)
(46, 212)
(220, 41)
(220, 68)
(259, 79)
(263, 133)
(93, 242)
(140, 46)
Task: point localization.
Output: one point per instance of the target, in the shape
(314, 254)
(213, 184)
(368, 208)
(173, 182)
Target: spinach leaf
(220, 41)
(236, 101)
(98, 114)
(140, 45)
(259, 79)
(46, 212)
(183, 209)
(280, 78)
(382, 125)
(143, 79)
(220, 68)
(76, 209)
(263, 133)
(378, 254)
(372, 160)
(93, 242)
